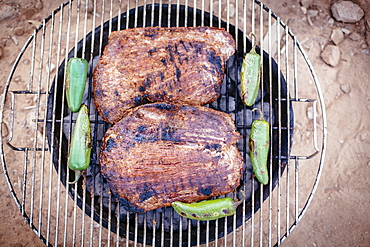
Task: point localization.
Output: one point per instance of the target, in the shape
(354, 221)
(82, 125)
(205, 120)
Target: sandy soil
(338, 214)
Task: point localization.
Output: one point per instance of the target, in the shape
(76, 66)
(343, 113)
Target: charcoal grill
(39, 125)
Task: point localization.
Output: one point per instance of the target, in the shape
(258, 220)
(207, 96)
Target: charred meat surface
(160, 153)
(152, 64)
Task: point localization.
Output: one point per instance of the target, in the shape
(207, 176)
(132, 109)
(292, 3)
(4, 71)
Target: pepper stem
(260, 112)
(77, 176)
(254, 39)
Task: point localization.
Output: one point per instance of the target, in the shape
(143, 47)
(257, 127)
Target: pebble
(310, 113)
(15, 40)
(363, 45)
(345, 31)
(231, 10)
(1, 52)
(304, 10)
(6, 12)
(312, 13)
(346, 11)
(52, 67)
(26, 62)
(39, 5)
(331, 22)
(355, 36)
(19, 31)
(331, 55)
(306, 3)
(337, 36)
(17, 79)
(345, 88)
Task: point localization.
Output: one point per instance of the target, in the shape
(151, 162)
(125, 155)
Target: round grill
(86, 213)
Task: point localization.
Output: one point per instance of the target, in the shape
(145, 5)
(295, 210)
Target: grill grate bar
(69, 134)
(279, 131)
(287, 210)
(49, 194)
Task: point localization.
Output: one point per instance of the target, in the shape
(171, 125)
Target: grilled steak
(161, 153)
(176, 64)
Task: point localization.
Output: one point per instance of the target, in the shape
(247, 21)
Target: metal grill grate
(39, 123)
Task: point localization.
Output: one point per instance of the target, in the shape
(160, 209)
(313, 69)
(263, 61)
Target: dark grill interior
(92, 193)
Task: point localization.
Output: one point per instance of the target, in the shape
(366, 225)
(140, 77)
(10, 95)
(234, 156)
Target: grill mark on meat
(147, 192)
(179, 65)
(155, 161)
(184, 45)
(205, 191)
(111, 143)
(178, 74)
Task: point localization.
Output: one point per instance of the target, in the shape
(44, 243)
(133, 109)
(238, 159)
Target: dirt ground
(339, 212)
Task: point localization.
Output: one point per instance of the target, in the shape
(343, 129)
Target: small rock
(6, 12)
(39, 5)
(355, 36)
(19, 31)
(231, 10)
(310, 113)
(1, 52)
(345, 31)
(346, 11)
(312, 13)
(304, 10)
(3, 42)
(17, 79)
(26, 62)
(331, 55)
(29, 13)
(345, 88)
(216, 5)
(337, 36)
(331, 22)
(306, 3)
(52, 67)
(36, 24)
(15, 40)
(363, 45)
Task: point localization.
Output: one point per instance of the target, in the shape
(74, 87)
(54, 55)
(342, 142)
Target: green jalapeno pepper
(209, 209)
(250, 75)
(259, 147)
(76, 75)
(80, 149)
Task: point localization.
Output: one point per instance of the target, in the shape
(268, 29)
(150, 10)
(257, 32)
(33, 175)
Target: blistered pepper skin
(76, 74)
(259, 143)
(80, 147)
(250, 77)
(209, 209)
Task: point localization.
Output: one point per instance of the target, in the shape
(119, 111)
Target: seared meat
(161, 153)
(176, 64)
